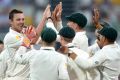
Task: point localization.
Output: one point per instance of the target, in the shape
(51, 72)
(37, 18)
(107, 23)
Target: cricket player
(18, 35)
(107, 59)
(46, 63)
(66, 36)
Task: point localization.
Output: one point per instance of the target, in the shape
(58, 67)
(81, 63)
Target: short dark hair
(12, 12)
(48, 35)
(1, 42)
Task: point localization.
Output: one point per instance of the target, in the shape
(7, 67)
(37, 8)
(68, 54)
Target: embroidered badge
(17, 37)
(21, 56)
(96, 62)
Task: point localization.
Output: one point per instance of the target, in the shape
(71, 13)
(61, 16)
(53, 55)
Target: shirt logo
(96, 62)
(17, 37)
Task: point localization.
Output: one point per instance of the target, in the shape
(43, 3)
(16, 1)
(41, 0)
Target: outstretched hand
(47, 12)
(96, 17)
(31, 34)
(42, 23)
(56, 14)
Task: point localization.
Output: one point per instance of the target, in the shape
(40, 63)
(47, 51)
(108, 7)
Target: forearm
(51, 25)
(84, 63)
(41, 26)
(81, 61)
(59, 25)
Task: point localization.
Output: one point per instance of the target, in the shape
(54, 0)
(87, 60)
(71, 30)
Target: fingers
(56, 8)
(34, 31)
(24, 30)
(59, 9)
(60, 5)
(47, 8)
(96, 15)
(47, 12)
(28, 29)
(96, 12)
(57, 12)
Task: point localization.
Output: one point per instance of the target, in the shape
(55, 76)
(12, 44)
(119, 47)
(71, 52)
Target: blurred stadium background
(33, 9)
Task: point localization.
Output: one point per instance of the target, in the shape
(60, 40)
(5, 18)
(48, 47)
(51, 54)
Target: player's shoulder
(12, 38)
(59, 54)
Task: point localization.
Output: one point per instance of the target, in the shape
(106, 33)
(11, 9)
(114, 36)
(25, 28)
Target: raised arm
(32, 33)
(56, 16)
(42, 23)
(96, 16)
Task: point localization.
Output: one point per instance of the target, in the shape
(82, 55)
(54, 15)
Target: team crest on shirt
(17, 37)
(96, 62)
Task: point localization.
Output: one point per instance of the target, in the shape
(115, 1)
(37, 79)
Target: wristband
(49, 18)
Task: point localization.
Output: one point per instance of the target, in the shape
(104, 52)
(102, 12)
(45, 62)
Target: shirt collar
(112, 45)
(81, 33)
(47, 48)
(14, 32)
